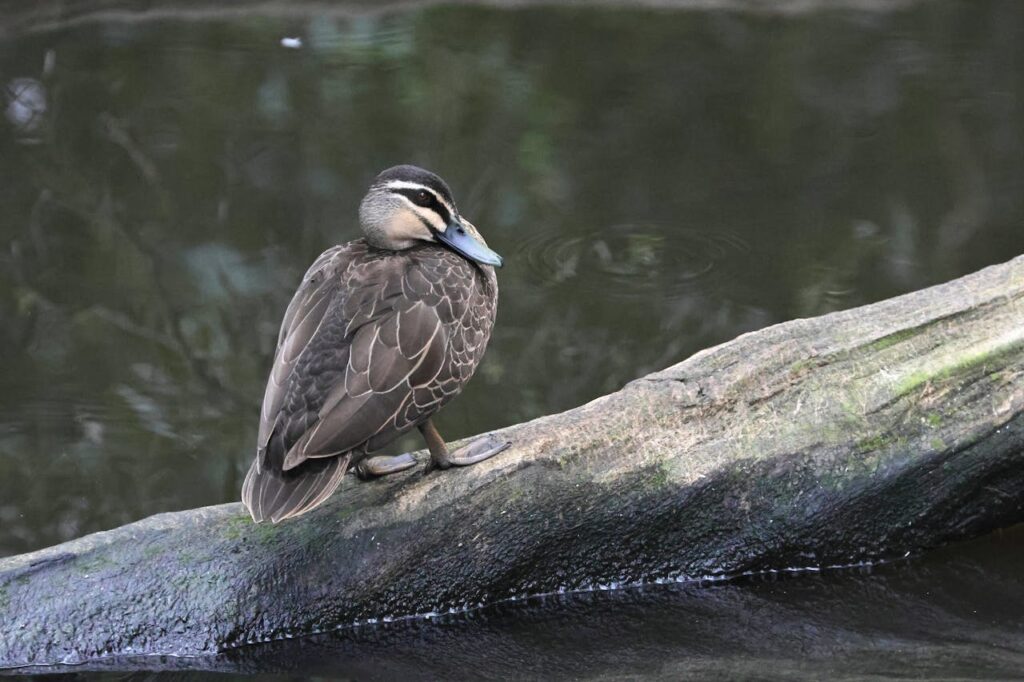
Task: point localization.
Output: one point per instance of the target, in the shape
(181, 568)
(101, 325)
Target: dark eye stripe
(435, 205)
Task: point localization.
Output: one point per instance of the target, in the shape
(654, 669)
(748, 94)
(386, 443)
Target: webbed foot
(382, 465)
(477, 451)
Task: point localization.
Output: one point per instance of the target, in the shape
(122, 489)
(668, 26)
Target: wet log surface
(858, 435)
(952, 613)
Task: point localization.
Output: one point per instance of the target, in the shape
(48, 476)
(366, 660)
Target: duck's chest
(464, 295)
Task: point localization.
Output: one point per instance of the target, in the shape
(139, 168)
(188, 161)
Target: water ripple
(631, 260)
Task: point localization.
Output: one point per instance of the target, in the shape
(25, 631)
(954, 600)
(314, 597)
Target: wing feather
(398, 343)
(301, 320)
(353, 419)
(369, 346)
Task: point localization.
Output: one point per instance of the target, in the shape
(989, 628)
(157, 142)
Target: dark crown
(409, 173)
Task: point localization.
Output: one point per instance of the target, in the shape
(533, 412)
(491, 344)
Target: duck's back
(373, 343)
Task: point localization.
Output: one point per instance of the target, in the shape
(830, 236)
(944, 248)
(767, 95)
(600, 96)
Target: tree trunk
(851, 437)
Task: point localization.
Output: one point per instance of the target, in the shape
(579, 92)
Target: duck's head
(407, 205)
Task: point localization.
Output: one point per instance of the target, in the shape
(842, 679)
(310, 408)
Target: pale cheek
(407, 226)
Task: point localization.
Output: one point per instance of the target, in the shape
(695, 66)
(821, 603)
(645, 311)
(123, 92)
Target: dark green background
(658, 182)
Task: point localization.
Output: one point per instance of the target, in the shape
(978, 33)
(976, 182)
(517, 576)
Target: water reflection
(661, 182)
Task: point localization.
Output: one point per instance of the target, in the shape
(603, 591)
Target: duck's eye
(422, 198)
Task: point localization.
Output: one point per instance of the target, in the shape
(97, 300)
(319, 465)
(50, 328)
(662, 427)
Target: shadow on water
(953, 614)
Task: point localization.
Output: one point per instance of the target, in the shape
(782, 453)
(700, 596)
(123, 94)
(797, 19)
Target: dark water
(658, 182)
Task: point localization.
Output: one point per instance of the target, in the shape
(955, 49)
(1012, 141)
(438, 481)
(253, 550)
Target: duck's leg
(382, 465)
(477, 451)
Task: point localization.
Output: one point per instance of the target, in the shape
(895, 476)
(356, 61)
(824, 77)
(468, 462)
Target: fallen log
(855, 436)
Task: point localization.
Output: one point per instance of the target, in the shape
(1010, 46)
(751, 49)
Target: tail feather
(270, 493)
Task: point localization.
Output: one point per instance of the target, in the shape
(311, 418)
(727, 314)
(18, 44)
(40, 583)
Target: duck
(381, 334)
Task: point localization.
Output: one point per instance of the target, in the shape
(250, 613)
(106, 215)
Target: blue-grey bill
(460, 240)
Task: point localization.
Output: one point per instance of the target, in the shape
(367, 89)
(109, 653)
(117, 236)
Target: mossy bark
(858, 435)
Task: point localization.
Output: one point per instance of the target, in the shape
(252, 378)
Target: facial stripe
(431, 227)
(409, 190)
(406, 184)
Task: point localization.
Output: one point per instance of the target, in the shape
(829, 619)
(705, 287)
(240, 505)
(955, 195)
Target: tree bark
(852, 437)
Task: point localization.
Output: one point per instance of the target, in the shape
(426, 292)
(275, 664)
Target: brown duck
(381, 334)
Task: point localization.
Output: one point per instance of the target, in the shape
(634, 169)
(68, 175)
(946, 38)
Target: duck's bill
(462, 241)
